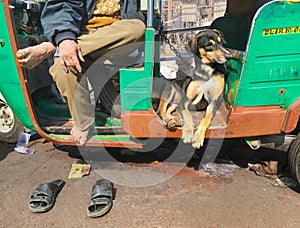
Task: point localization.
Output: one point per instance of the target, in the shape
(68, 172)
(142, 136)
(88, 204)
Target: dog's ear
(191, 46)
(221, 35)
(199, 34)
(218, 32)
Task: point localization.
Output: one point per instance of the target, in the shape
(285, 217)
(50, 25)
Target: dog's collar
(220, 68)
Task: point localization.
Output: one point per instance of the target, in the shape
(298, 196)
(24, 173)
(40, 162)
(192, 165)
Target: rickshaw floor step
(100, 130)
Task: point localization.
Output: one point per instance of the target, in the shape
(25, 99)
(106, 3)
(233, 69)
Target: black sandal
(44, 196)
(101, 199)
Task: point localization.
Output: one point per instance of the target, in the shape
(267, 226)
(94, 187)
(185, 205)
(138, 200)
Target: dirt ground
(190, 198)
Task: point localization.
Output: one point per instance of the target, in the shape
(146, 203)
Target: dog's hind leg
(165, 113)
(162, 107)
(172, 116)
(172, 120)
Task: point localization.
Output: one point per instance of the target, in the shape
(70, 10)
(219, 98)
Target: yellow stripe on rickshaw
(281, 31)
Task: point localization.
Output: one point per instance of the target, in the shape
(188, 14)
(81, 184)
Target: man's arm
(63, 19)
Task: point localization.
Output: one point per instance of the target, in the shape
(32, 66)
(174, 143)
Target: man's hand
(70, 56)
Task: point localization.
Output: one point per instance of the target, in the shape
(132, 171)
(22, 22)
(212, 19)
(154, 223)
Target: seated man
(80, 31)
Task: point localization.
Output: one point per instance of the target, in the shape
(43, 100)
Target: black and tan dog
(207, 83)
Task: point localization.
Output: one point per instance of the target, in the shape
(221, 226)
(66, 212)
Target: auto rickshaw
(262, 86)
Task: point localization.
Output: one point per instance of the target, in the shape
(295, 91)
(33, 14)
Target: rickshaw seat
(235, 29)
(236, 23)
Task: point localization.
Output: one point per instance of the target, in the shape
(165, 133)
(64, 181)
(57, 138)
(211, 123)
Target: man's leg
(74, 88)
(126, 33)
(104, 39)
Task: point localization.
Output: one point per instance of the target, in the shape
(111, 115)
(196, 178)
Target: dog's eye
(211, 43)
(210, 47)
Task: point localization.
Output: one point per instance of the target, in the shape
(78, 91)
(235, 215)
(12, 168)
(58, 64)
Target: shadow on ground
(233, 150)
(5, 149)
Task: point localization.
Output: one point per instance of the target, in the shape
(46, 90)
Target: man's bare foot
(80, 136)
(32, 56)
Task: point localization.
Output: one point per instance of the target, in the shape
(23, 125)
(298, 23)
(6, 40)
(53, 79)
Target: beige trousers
(95, 43)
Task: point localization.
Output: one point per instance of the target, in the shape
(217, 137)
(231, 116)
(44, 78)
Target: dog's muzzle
(227, 52)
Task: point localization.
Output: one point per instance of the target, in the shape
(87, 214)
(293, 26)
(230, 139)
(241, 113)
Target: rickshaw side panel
(271, 71)
(136, 83)
(10, 85)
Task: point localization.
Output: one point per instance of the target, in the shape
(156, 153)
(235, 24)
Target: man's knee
(136, 29)
(65, 81)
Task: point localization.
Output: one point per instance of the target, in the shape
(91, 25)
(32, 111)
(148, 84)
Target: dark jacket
(64, 19)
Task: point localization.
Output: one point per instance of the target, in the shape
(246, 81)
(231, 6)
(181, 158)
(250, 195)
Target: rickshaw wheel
(294, 158)
(10, 126)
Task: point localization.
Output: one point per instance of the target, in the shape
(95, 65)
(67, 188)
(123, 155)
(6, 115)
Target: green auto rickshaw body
(10, 85)
(262, 87)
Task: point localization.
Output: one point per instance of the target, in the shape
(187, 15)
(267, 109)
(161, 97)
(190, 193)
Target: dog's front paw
(187, 134)
(198, 139)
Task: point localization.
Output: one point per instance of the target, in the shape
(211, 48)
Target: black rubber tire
(11, 134)
(294, 158)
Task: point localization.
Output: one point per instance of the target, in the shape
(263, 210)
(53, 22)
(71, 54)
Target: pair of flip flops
(44, 196)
